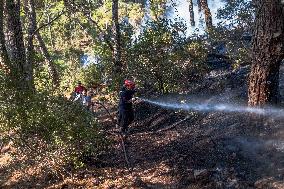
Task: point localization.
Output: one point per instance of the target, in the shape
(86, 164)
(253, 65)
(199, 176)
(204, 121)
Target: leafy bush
(163, 58)
(49, 128)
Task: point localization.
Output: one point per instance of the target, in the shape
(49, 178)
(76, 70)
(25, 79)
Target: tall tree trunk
(30, 12)
(117, 39)
(207, 12)
(199, 5)
(268, 52)
(21, 69)
(4, 61)
(50, 32)
(191, 12)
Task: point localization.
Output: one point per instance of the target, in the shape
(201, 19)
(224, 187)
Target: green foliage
(195, 67)
(42, 79)
(50, 127)
(162, 56)
(158, 8)
(158, 55)
(238, 14)
(91, 75)
(233, 33)
(233, 40)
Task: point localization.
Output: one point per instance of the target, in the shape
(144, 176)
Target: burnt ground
(178, 149)
(191, 149)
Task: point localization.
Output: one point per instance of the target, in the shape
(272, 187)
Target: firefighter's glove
(136, 99)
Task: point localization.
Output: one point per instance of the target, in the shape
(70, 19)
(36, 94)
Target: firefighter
(126, 112)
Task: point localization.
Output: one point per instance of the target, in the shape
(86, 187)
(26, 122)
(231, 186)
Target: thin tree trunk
(51, 69)
(268, 52)
(117, 39)
(3, 51)
(207, 12)
(199, 5)
(105, 38)
(191, 12)
(49, 26)
(31, 14)
(22, 71)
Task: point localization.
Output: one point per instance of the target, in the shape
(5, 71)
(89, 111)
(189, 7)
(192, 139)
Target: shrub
(50, 129)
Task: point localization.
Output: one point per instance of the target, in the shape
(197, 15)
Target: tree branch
(74, 8)
(100, 30)
(50, 22)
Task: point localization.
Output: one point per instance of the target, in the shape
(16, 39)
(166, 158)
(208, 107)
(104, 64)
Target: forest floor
(183, 149)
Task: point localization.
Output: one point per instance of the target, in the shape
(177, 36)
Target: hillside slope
(212, 149)
(172, 148)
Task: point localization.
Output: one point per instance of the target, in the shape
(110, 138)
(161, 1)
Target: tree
(3, 51)
(102, 28)
(207, 12)
(31, 14)
(191, 12)
(202, 5)
(117, 38)
(21, 67)
(268, 52)
(158, 55)
(199, 5)
(238, 14)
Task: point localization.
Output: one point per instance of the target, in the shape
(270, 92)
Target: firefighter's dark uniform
(126, 113)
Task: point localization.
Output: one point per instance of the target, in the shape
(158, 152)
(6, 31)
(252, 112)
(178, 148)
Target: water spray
(211, 106)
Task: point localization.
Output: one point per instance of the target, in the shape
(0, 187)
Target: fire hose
(115, 123)
(119, 134)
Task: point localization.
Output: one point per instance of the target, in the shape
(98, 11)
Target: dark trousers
(125, 118)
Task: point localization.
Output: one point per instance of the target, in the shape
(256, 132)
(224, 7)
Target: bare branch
(50, 22)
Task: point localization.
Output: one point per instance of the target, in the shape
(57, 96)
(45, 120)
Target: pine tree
(268, 52)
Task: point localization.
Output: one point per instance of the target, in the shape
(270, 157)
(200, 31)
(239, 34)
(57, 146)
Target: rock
(190, 175)
(263, 183)
(201, 174)
(232, 183)
(139, 183)
(96, 181)
(5, 149)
